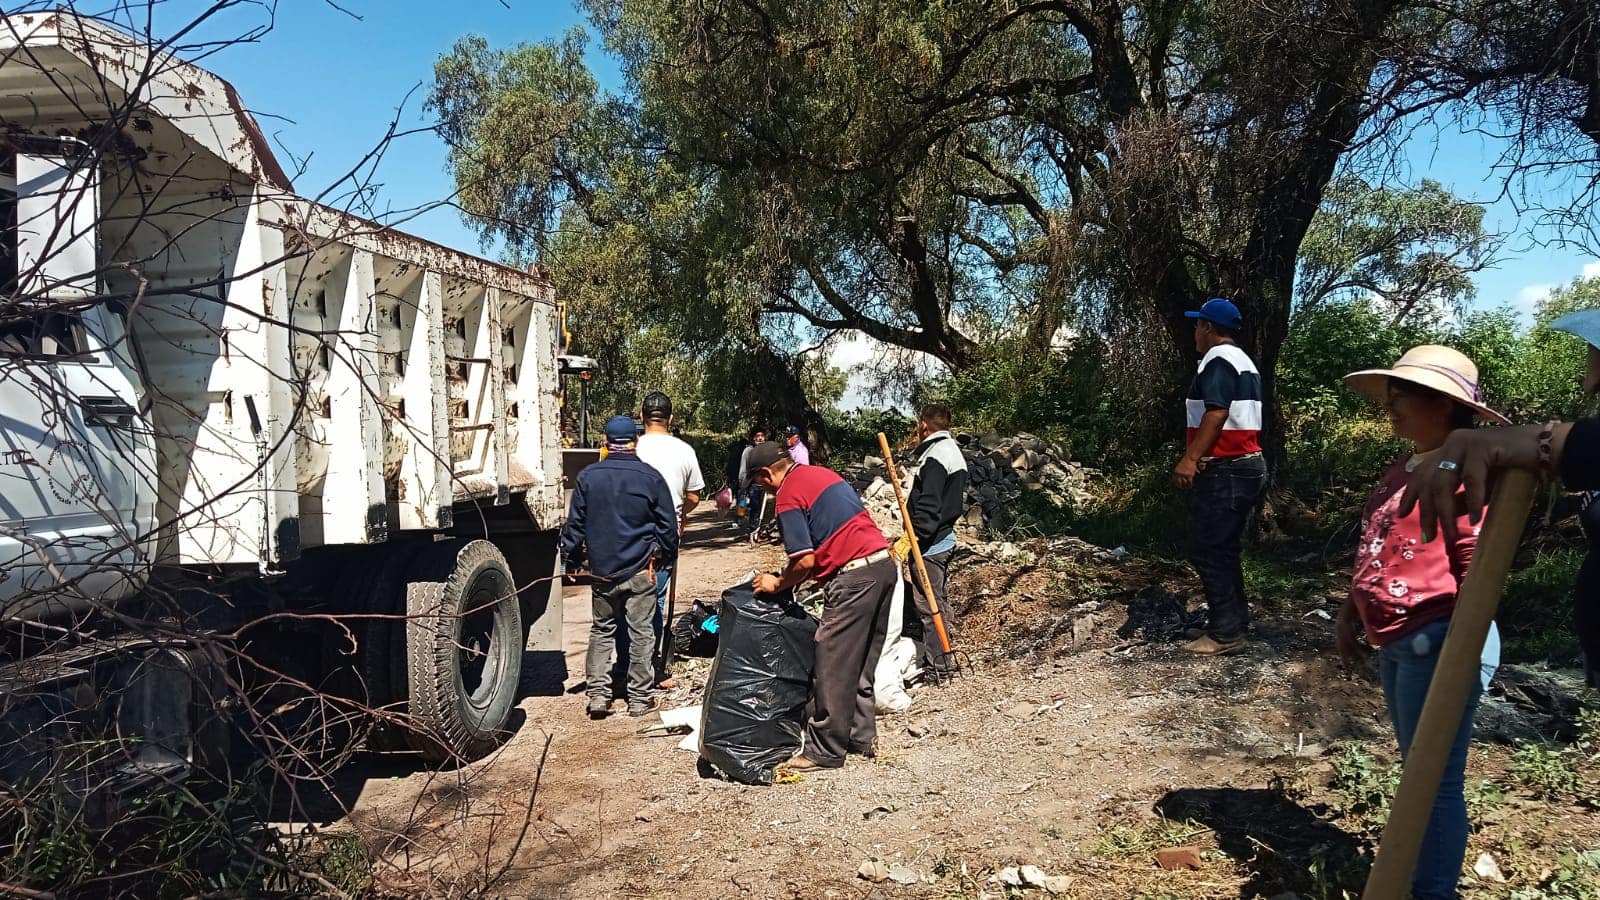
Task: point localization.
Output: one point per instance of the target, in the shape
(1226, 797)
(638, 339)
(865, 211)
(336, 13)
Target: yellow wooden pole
(1452, 683)
(916, 551)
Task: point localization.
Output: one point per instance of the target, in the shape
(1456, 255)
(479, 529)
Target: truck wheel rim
(478, 651)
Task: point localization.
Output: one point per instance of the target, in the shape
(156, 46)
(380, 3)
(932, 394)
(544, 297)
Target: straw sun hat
(1431, 366)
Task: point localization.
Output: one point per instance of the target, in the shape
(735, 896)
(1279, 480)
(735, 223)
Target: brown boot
(800, 763)
(1206, 645)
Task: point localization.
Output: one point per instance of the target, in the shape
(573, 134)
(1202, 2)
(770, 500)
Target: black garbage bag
(695, 633)
(755, 700)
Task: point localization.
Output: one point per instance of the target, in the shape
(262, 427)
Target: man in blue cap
(623, 522)
(798, 452)
(1223, 466)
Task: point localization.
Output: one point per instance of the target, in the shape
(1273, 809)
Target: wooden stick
(916, 552)
(1452, 683)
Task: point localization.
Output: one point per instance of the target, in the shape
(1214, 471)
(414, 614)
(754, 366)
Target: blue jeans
(663, 584)
(1226, 493)
(1405, 666)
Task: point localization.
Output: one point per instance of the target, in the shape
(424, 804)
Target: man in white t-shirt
(677, 463)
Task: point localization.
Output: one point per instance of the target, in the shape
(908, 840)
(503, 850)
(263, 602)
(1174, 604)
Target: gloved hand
(902, 548)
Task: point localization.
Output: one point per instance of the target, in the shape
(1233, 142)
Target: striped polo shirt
(821, 513)
(1228, 380)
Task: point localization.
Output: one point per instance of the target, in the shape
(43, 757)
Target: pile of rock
(1000, 470)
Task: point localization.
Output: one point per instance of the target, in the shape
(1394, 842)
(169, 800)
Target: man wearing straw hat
(1224, 468)
(832, 539)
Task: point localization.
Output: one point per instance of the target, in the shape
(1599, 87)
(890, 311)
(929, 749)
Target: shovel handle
(916, 551)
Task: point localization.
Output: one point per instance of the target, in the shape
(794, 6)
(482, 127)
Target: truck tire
(463, 649)
(374, 585)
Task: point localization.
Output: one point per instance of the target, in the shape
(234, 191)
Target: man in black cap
(831, 539)
(679, 467)
(623, 522)
(798, 451)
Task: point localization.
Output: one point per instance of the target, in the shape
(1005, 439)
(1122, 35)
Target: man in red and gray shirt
(831, 539)
(1224, 467)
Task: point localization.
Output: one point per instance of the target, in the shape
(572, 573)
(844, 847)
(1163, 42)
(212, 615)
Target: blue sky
(325, 85)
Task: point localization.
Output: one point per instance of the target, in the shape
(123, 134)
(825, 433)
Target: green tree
(1413, 249)
(1528, 70)
(1547, 380)
(914, 171)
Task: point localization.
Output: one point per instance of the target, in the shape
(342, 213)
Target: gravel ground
(1077, 726)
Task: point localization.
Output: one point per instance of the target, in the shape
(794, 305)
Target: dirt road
(1081, 743)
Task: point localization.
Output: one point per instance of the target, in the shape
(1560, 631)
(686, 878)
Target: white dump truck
(243, 431)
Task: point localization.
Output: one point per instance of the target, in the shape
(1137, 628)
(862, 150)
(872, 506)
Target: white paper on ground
(685, 715)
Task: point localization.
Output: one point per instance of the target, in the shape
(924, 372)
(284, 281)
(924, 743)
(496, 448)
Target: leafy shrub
(1062, 394)
(854, 435)
(1366, 788)
(1536, 612)
(711, 449)
(1576, 877)
(1546, 770)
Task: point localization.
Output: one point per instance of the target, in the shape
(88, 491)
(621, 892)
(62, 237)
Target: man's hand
(1183, 474)
(1346, 635)
(767, 583)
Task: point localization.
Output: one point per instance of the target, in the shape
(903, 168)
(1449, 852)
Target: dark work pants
(623, 607)
(1225, 494)
(937, 660)
(842, 716)
(1586, 616)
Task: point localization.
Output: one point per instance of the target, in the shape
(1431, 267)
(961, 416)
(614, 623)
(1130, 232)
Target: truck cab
(77, 458)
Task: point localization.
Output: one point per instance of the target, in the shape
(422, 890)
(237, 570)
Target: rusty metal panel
(354, 510)
(425, 470)
(282, 542)
(495, 340)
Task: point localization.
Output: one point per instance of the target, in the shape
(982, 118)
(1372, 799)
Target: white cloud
(1592, 270)
(851, 350)
(1529, 298)
(857, 354)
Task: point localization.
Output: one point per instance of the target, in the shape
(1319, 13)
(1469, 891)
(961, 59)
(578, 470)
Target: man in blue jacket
(623, 523)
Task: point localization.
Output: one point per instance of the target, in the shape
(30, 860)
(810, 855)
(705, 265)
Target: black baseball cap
(656, 405)
(763, 456)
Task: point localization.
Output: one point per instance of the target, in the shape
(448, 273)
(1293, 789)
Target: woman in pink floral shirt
(1404, 589)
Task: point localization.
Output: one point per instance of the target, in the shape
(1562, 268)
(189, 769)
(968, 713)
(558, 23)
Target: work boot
(599, 707)
(1206, 645)
(639, 710)
(799, 763)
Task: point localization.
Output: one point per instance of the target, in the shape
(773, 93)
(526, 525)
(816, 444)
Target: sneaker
(1206, 645)
(599, 707)
(639, 710)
